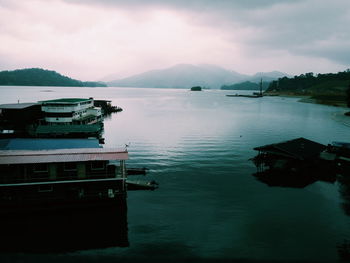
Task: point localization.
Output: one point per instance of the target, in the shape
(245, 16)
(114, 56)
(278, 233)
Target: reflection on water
(344, 189)
(197, 146)
(283, 179)
(64, 230)
(297, 179)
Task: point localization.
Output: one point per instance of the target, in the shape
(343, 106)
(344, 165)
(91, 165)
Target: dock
(244, 96)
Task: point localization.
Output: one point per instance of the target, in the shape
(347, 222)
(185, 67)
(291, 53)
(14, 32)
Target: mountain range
(187, 75)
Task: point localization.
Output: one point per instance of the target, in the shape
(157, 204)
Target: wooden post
(123, 170)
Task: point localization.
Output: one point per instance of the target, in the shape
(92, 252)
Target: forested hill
(42, 77)
(309, 83)
(246, 85)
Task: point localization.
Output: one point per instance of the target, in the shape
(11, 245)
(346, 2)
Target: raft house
(67, 176)
(300, 160)
(60, 118)
(106, 106)
(44, 173)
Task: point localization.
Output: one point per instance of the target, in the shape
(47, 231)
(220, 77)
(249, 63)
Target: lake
(197, 146)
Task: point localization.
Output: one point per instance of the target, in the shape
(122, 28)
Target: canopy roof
(64, 101)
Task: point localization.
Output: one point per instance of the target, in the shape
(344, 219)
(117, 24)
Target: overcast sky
(91, 39)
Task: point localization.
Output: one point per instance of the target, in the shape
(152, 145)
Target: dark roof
(299, 148)
(17, 105)
(47, 144)
(102, 101)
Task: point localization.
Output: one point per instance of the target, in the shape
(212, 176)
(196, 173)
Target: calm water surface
(209, 206)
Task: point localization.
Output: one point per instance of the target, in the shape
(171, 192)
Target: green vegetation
(348, 100)
(330, 88)
(196, 88)
(246, 85)
(41, 77)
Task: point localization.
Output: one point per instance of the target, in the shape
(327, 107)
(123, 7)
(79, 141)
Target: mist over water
(197, 146)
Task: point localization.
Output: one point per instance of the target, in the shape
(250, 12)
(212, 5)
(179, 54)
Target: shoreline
(310, 99)
(337, 116)
(340, 117)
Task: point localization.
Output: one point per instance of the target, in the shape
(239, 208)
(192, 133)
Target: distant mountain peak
(188, 75)
(182, 76)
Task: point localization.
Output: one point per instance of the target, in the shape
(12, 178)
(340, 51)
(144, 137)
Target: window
(59, 114)
(98, 165)
(40, 168)
(70, 167)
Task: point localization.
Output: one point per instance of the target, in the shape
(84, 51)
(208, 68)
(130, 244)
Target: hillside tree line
(41, 77)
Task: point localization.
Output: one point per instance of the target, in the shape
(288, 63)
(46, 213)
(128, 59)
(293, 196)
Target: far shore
(341, 117)
(338, 116)
(310, 99)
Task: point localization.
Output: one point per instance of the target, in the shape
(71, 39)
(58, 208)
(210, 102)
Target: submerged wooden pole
(123, 170)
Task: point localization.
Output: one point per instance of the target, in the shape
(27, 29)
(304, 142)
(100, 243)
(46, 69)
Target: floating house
(295, 162)
(15, 118)
(68, 111)
(37, 173)
(39, 178)
(106, 106)
(288, 154)
(66, 117)
(69, 117)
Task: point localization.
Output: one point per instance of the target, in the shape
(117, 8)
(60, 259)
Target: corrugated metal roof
(61, 155)
(47, 144)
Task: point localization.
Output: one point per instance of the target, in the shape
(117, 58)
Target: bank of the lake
(342, 115)
(337, 101)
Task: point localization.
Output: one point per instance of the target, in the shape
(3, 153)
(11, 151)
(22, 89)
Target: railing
(45, 179)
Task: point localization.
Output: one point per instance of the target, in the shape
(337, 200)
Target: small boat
(141, 185)
(245, 96)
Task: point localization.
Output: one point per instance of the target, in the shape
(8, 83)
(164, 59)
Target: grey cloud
(187, 4)
(296, 26)
(336, 51)
(311, 30)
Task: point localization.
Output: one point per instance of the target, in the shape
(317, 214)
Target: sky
(93, 39)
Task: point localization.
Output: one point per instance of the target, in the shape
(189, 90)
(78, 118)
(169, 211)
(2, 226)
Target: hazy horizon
(90, 40)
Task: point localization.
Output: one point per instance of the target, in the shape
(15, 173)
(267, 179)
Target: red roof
(61, 155)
